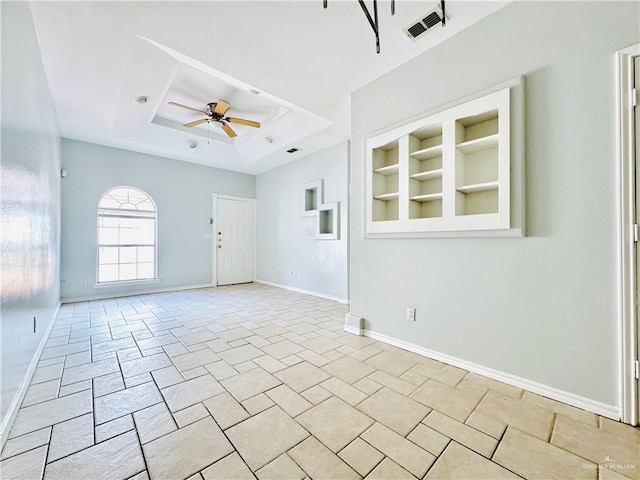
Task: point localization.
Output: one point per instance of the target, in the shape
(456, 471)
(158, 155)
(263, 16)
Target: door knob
(219, 246)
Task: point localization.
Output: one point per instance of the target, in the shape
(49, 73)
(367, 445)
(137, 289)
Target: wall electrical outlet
(63, 282)
(411, 314)
(87, 280)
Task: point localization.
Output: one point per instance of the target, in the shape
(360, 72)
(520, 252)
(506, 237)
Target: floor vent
(423, 24)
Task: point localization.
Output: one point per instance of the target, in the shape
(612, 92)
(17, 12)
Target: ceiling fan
(215, 113)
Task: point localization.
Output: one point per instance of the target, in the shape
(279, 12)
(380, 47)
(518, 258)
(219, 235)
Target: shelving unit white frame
(449, 171)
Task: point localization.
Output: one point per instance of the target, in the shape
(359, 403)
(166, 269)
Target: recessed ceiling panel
(165, 76)
(195, 88)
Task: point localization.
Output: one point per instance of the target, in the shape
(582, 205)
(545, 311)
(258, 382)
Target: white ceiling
(291, 65)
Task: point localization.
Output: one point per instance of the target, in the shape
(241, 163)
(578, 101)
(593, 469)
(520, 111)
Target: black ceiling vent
(293, 150)
(425, 23)
(416, 30)
(432, 20)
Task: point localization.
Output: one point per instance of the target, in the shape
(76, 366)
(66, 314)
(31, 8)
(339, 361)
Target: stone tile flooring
(254, 381)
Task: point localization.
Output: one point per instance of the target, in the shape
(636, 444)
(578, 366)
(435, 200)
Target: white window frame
(155, 278)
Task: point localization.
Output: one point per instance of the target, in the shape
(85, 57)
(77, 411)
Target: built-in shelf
(446, 172)
(328, 221)
(326, 214)
(479, 144)
(425, 148)
(427, 197)
(387, 196)
(313, 197)
(388, 170)
(385, 169)
(427, 153)
(428, 175)
(478, 187)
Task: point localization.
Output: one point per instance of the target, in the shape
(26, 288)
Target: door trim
(214, 243)
(627, 272)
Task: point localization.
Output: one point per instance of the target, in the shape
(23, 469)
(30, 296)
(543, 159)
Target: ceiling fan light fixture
(141, 100)
(192, 144)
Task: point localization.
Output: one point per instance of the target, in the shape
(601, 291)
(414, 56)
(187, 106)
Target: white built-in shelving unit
(327, 215)
(449, 171)
(384, 165)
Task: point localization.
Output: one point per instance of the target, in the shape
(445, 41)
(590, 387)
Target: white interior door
(235, 240)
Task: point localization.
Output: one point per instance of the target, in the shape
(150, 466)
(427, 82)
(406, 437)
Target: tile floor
(254, 381)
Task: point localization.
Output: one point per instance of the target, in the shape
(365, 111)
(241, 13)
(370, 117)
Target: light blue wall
(183, 193)
(30, 199)
(543, 307)
(286, 240)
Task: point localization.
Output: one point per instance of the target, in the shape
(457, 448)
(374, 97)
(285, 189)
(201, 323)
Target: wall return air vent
(425, 23)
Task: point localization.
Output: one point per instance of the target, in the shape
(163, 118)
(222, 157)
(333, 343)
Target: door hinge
(635, 232)
(635, 97)
(637, 363)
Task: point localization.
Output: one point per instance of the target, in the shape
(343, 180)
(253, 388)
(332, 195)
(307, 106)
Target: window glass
(126, 236)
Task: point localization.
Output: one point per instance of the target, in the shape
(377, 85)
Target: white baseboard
(308, 292)
(353, 324)
(599, 408)
(134, 293)
(10, 416)
(353, 330)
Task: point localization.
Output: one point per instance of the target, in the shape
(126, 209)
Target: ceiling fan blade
(197, 122)
(228, 130)
(221, 107)
(242, 121)
(188, 108)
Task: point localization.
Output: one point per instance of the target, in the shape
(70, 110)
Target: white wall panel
(286, 238)
(30, 199)
(183, 193)
(541, 307)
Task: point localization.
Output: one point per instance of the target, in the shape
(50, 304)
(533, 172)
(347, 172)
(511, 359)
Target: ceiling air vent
(424, 23)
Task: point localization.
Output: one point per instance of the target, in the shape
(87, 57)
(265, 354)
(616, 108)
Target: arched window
(126, 236)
